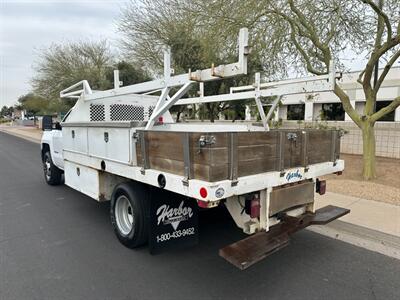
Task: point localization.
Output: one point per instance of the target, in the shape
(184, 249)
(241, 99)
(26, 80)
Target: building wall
(387, 136)
(389, 90)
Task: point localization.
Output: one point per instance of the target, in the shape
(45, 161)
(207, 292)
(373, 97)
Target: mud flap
(173, 221)
(252, 249)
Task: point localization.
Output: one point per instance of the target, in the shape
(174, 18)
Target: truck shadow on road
(216, 230)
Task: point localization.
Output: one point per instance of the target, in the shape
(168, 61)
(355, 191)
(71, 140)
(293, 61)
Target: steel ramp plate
(254, 248)
(327, 214)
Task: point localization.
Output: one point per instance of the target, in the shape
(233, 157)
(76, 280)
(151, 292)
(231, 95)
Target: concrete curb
(369, 239)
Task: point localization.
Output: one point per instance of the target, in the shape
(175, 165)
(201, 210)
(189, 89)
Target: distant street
(56, 243)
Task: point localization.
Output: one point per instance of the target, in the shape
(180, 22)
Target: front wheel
(52, 174)
(129, 214)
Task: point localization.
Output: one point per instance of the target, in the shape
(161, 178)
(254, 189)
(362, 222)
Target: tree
(128, 73)
(148, 26)
(6, 111)
(3, 111)
(307, 35)
(33, 104)
(62, 65)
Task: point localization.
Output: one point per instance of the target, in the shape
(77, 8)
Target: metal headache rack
(134, 100)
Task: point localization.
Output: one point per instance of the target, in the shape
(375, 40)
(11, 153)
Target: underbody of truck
(123, 145)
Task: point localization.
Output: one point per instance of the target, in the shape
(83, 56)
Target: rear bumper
(253, 183)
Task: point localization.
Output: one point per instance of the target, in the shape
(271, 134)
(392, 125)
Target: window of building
(295, 112)
(390, 116)
(332, 112)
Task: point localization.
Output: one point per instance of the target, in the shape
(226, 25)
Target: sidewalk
(29, 133)
(370, 224)
(374, 215)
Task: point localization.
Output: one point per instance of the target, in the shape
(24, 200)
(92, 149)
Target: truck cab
(52, 151)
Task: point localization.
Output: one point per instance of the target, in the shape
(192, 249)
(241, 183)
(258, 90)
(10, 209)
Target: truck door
(56, 152)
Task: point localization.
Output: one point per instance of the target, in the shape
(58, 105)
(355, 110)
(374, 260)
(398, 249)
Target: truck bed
(221, 155)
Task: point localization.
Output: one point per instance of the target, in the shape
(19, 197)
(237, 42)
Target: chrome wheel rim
(124, 215)
(47, 168)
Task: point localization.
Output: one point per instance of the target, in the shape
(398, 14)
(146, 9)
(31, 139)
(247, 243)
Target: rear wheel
(130, 213)
(52, 174)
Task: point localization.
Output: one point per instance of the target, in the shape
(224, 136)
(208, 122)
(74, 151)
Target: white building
(309, 107)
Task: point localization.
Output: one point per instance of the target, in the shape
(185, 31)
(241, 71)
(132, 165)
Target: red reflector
(203, 192)
(160, 119)
(202, 204)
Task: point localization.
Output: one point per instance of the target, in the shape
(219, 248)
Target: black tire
(135, 195)
(52, 174)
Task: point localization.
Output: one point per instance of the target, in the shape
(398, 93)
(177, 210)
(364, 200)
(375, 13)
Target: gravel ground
(385, 188)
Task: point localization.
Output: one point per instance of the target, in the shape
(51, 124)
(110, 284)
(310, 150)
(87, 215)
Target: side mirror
(57, 126)
(47, 123)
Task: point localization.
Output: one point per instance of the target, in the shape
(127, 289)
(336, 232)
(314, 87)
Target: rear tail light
(202, 204)
(320, 186)
(207, 204)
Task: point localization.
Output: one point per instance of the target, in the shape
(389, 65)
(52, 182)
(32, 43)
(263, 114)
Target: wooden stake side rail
(228, 155)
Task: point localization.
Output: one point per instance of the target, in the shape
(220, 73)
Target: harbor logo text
(293, 175)
(172, 215)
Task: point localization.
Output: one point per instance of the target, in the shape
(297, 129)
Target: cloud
(28, 26)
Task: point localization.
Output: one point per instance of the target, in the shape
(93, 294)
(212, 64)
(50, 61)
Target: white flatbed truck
(123, 145)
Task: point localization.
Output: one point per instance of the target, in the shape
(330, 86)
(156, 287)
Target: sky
(26, 26)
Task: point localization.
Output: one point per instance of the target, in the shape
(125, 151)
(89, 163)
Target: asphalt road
(56, 243)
